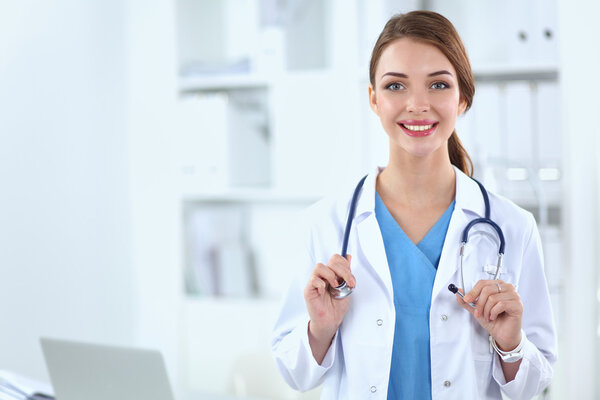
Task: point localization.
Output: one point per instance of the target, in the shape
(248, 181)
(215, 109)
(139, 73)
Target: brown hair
(432, 28)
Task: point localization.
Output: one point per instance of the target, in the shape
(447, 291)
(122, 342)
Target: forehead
(413, 58)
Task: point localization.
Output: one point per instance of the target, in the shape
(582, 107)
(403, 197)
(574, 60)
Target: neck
(418, 182)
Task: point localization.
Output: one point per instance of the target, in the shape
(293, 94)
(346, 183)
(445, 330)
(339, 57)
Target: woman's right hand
(326, 313)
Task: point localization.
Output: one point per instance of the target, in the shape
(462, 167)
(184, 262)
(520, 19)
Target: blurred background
(155, 155)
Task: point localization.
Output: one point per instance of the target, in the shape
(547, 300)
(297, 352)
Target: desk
(210, 396)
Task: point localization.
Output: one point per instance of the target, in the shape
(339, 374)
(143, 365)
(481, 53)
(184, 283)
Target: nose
(418, 102)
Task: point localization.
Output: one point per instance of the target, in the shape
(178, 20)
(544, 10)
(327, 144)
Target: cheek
(389, 106)
(449, 109)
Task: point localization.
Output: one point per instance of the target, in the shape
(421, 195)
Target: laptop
(82, 371)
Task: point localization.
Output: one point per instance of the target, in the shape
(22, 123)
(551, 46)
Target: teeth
(418, 127)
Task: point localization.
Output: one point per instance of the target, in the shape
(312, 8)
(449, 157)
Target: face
(416, 97)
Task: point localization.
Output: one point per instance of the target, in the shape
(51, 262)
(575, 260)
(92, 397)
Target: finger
(483, 301)
(353, 280)
(327, 274)
(463, 303)
(511, 305)
(341, 267)
(476, 291)
(492, 300)
(316, 284)
(507, 287)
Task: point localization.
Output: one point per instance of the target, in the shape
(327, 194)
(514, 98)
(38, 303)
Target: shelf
(228, 303)
(499, 73)
(507, 73)
(250, 196)
(216, 83)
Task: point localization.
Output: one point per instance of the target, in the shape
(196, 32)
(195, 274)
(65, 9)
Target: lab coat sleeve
(293, 356)
(539, 348)
(290, 346)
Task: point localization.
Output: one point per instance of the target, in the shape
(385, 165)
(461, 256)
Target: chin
(421, 150)
(418, 147)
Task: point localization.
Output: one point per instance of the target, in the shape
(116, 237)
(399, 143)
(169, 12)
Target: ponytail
(458, 155)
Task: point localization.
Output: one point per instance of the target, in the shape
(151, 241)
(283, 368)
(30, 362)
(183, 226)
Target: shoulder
(324, 221)
(333, 208)
(503, 211)
(506, 210)
(518, 225)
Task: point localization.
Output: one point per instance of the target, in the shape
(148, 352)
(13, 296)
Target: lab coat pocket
(370, 362)
(482, 357)
(488, 271)
(481, 258)
(480, 343)
(483, 373)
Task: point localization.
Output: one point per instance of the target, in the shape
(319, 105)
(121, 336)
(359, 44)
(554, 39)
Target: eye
(440, 85)
(395, 86)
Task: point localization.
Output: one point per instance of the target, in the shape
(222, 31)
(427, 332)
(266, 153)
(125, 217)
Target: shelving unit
(310, 130)
(222, 83)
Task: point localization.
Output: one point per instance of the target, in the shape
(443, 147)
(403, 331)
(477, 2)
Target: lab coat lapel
(368, 234)
(449, 260)
(469, 205)
(373, 249)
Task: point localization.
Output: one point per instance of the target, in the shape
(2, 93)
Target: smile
(418, 127)
(418, 130)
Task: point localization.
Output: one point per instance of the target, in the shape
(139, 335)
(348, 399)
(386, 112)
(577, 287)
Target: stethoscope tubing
(343, 290)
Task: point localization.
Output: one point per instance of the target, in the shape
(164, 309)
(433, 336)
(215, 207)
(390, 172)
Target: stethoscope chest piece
(341, 291)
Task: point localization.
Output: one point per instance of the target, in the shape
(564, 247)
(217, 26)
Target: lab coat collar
(468, 200)
(468, 194)
(366, 201)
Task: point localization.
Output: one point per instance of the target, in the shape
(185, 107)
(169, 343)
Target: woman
(402, 334)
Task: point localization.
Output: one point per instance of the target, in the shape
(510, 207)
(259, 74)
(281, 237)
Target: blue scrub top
(413, 271)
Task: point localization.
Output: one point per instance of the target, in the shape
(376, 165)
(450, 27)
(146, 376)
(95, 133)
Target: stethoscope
(343, 290)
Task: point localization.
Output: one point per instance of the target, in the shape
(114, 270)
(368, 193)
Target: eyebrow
(401, 75)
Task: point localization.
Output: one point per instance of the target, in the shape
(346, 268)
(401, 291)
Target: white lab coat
(357, 364)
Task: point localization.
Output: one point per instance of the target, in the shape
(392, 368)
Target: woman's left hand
(498, 309)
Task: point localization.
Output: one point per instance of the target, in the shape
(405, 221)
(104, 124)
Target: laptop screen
(81, 371)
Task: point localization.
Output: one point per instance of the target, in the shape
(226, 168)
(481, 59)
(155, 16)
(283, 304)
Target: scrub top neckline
(424, 246)
(437, 226)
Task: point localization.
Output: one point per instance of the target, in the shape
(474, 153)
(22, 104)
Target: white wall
(155, 205)
(65, 247)
(580, 57)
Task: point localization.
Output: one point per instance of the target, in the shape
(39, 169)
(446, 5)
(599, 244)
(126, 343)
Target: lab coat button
(444, 317)
(447, 383)
(379, 322)
(373, 389)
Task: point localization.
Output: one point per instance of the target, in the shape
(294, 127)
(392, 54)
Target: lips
(418, 128)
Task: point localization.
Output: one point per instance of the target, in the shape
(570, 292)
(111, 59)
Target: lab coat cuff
(521, 384)
(497, 365)
(329, 356)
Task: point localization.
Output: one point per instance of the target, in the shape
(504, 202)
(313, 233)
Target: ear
(373, 99)
(462, 106)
